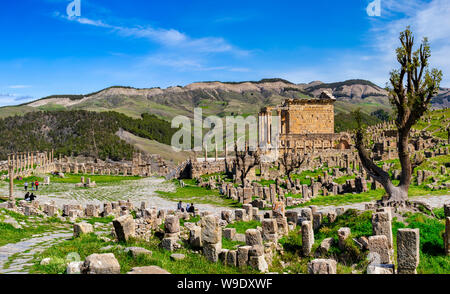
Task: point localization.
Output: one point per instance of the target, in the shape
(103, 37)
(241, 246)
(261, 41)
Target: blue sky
(165, 43)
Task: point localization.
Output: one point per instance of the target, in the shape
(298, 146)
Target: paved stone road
(23, 251)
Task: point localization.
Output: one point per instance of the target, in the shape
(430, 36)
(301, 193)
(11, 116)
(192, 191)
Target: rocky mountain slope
(215, 98)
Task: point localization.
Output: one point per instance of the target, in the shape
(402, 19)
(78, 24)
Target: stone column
(211, 236)
(307, 237)
(407, 251)
(11, 182)
(381, 225)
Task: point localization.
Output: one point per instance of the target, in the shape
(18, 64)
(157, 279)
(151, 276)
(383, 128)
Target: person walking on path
(25, 186)
(37, 185)
(32, 186)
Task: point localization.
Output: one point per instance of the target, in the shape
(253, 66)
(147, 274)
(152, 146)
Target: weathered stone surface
(325, 245)
(74, 268)
(211, 251)
(231, 258)
(177, 256)
(343, 234)
(101, 264)
(169, 244)
(46, 261)
(381, 225)
(172, 224)
(322, 266)
(211, 231)
(282, 224)
(124, 227)
(380, 269)
(242, 255)
(195, 237)
(135, 251)
(407, 250)
(226, 215)
(240, 215)
(379, 249)
(269, 229)
(82, 228)
(229, 233)
(253, 237)
(307, 214)
(259, 263)
(148, 270)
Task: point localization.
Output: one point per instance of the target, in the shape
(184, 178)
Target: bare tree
(245, 160)
(291, 160)
(411, 90)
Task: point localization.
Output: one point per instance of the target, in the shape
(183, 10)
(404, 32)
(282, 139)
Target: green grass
(432, 258)
(102, 220)
(229, 244)
(242, 226)
(9, 234)
(76, 178)
(193, 194)
(191, 220)
(89, 244)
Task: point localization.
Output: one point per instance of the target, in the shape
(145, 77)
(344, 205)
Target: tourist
(27, 195)
(180, 206)
(191, 208)
(25, 186)
(37, 185)
(32, 186)
(188, 207)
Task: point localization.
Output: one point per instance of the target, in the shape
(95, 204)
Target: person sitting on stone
(191, 208)
(188, 207)
(32, 197)
(27, 195)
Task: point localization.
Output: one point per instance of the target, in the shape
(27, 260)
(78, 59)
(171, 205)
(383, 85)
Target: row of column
(24, 161)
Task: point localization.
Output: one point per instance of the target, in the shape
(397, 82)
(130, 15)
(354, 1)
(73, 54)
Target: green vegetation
(345, 122)
(242, 226)
(190, 193)
(32, 226)
(89, 244)
(432, 258)
(75, 178)
(79, 133)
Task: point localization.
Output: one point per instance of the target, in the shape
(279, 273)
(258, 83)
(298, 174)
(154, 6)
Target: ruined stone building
(305, 124)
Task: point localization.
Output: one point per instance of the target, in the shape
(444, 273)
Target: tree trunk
(395, 193)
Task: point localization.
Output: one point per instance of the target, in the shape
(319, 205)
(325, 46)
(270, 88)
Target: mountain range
(217, 98)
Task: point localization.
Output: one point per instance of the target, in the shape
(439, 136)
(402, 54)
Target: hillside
(215, 98)
(79, 133)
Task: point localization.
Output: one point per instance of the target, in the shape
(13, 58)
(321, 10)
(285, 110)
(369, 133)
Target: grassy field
(89, 244)
(30, 226)
(432, 258)
(191, 193)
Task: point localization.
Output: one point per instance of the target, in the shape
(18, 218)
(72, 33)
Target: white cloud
(19, 86)
(11, 99)
(166, 37)
(427, 19)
